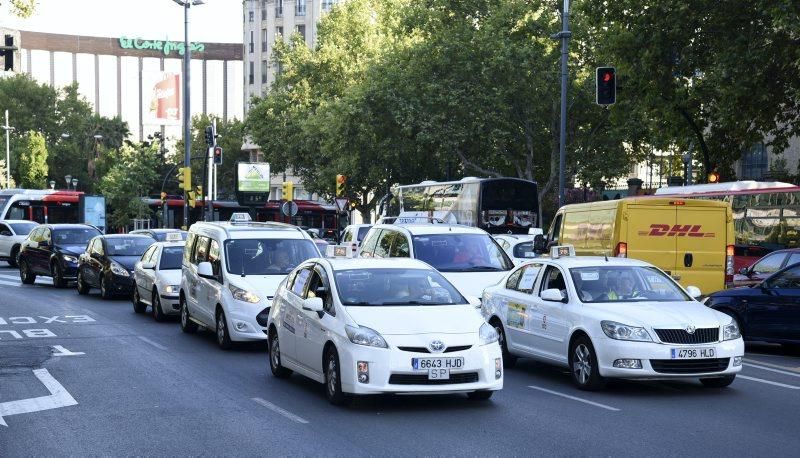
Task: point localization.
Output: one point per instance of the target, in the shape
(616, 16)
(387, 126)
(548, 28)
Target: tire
(718, 382)
(480, 395)
(583, 365)
(138, 305)
(187, 325)
(158, 312)
(509, 360)
(104, 292)
(13, 259)
(83, 288)
(25, 275)
(223, 335)
(333, 380)
(58, 275)
(275, 357)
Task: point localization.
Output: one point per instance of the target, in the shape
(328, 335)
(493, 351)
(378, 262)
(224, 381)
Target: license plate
(437, 363)
(693, 353)
(438, 374)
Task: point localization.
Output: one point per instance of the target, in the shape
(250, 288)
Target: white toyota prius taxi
(611, 318)
(366, 326)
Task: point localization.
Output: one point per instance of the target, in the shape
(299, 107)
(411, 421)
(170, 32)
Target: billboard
(252, 183)
(161, 93)
(92, 210)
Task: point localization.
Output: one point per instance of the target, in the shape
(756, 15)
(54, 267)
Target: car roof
(18, 221)
(374, 263)
(785, 250)
(156, 231)
(430, 229)
(69, 226)
(180, 243)
(592, 261)
(250, 230)
(125, 236)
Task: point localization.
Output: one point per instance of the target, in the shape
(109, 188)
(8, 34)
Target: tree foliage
(33, 161)
(132, 175)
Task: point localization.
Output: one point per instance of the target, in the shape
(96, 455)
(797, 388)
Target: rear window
(118, 246)
(22, 228)
(524, 250)
(77, 236)
(362, 232)
(461, 252)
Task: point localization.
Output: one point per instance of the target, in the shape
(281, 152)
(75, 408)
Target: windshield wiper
(412, 303)
(360, 303)
(484, 268)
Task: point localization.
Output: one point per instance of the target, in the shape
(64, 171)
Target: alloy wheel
(332, 380)
(582, 365)
(275, 352)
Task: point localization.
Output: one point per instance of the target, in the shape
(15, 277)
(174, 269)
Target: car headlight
(621, 331)
(487, 334)
(171, 289)
(69, 258)
(117, 269)
(243, 295)
(361, 335)
(731, 331)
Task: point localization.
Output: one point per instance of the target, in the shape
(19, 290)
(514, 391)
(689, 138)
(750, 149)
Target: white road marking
(764, 368)
(280, 411)
(8, 283)
(155, 344)
(575, 398)
(64, 352)
(769, 382)
(764, 363)
(59, 397)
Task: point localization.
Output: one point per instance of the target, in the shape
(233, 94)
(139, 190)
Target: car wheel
(275, 357)
(223, 336)
(25, 275)
(718, 382)
(480, 395)
(158, 312)
(187, 325)
(333, 380)
(105, 293)
(83, 288)
(58, 275)
(583, 365)
(13, 259)
(509, 360)
(138, 305)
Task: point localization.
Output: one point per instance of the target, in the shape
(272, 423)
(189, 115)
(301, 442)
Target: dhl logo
(677, 230)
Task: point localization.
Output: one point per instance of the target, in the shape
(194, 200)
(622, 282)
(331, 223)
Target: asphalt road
(144, 388)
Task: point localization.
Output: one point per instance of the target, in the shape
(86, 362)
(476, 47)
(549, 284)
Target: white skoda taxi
(366, 326)
(611, 318)
(157, 278)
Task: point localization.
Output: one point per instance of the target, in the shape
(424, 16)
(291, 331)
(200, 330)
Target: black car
(160, 235)
(52, 250)
(108, 263)
(768, 311)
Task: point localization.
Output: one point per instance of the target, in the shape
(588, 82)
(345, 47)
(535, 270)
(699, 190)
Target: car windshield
(395, 287)
(461, 252)
(362, 231)
(120, 246)
(625, 284)
(267, 256)
(23, 228)
(524, 250)
(77, 236)
(171, 258)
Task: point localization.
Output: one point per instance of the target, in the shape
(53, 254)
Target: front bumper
(170, 304)
(659, 355)
(480, 360)
(242, 323)
(121, 285)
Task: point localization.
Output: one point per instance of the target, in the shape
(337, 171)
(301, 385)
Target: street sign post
(289, 208)
(341, 204)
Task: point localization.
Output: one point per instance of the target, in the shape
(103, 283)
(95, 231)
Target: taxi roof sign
(561, 251)
(174, 237)
(241, 217)
(340, 251)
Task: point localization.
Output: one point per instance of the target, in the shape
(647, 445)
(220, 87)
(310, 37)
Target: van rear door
(701, 238)
(648, 227)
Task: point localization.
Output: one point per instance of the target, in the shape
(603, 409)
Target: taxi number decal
(515, 315)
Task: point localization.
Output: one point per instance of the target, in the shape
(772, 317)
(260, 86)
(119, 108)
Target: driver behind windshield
(623, 288)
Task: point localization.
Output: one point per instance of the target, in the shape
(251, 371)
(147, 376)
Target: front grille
(422, 379)
(680, 336)
(689, 366)
(426, 350)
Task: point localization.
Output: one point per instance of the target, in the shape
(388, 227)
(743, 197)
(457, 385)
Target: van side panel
(600, 232)
(647, 232)
(575, 226)
(701, 235)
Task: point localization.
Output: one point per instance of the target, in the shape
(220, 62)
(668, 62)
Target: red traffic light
(218, 155)
(607, 77)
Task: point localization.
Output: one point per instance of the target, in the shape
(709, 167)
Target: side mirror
(204, 270)
(744, 271)
(474, 301)
(149, 265)
(539, 244)
(552, 295)
(694, 291)
(313, 304)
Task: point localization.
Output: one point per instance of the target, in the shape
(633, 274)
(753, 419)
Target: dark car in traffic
(161, 235)
(765, 267)
(108, 263)
(768, 311)
(52, 250)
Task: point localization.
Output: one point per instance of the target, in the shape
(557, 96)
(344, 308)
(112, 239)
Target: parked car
(108, 263)
(766, 266)
(518, 247)
(12, 233)
(158, 279)
(52, 250)
(768, 311)
(162, 235)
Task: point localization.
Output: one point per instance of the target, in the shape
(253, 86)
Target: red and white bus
(43, 206)
(766, 215)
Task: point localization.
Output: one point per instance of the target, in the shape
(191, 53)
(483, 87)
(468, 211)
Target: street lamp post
(187, 134)
(8, 130)
(68, 179)
(564, 36)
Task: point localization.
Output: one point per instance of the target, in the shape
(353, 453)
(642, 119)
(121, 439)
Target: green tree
(3, 176)
(132, 176)
(33, 161)
(23, 8)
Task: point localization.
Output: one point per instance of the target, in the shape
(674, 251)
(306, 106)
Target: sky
(214, 21)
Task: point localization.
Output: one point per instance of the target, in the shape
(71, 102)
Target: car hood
(665, 315)
(170, 277)
(412, 319)
(74, 250)
(473, 283)
(126, 261)
(263, 285)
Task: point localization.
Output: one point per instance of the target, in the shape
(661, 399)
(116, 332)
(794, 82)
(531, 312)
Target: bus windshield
(461, 252)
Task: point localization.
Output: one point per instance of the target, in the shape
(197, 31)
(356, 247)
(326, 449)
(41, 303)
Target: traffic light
(341, 180)
(713, 177)
(163, 198)
(198, 191)
(218, 155)
(7, 52)
(606, 85)
(185, 178)
(287, 190)
(191, 199)
(211, 136)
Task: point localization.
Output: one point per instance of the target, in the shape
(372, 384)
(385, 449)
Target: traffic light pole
(187, 117)
(562, 135)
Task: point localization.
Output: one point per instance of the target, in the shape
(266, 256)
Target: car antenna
(606, 256)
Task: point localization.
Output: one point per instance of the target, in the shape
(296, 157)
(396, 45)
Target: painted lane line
(64, 352)
(8, 283)
(777, 366)
(280, 411)
(769, 382)
(155, 344)
(575, 398)
(59, 397)
(764, 368)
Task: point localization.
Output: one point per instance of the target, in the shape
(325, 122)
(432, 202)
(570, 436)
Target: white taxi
(611, 318)
(366, 326)
(157, 276)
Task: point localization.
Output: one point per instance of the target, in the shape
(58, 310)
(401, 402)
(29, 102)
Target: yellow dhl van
(692, 240)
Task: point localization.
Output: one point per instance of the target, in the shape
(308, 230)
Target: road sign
(341, 204)
(289, 208)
